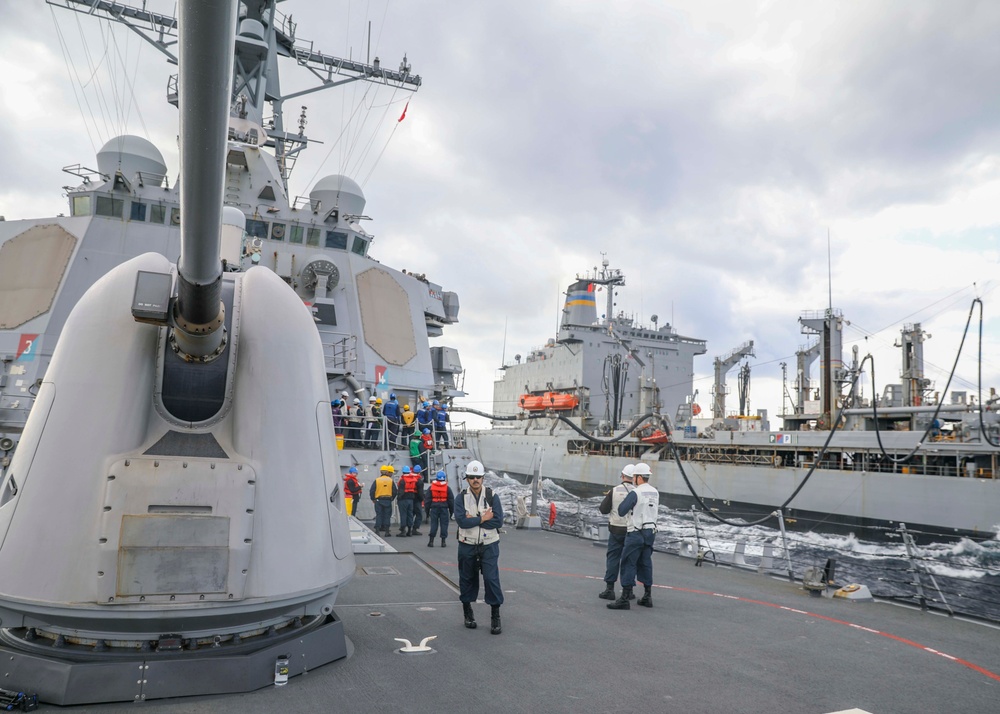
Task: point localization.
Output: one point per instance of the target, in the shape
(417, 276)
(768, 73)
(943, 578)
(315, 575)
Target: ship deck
(716, 640)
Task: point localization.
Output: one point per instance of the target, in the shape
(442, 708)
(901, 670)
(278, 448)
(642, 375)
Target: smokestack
(581, 304)
(205, 77)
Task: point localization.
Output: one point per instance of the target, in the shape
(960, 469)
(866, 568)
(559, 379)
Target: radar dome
(130, 155)
(338, 192)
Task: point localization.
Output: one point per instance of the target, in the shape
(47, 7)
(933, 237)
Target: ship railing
(340, 351)
(916, 577)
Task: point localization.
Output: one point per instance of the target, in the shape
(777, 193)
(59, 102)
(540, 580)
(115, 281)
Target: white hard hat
(642, 469)
(628, 469)
(474, 468)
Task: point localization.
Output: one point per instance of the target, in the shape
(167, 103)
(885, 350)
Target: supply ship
(606, 392)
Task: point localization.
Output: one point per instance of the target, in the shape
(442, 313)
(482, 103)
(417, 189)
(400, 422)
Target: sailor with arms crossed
(479, 516)
(617, 529)
(641, 507)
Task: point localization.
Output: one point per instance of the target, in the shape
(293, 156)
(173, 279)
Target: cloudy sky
(707, 148)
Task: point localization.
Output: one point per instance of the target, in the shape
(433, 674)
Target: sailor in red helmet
(479, 517)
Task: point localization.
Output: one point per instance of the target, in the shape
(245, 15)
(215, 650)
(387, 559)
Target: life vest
(439, 493)
(618, 494)
(428, 441)
(383, 487)
(644, 513)
(351, 484)
(408, 483)
(473, 507)
(408, 418)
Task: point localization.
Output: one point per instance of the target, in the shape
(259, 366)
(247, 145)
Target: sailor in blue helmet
(479, 517)
(641, 508)
(407, 500)
(439, 504)
(390, 411)
(441, 425)
(425, 417)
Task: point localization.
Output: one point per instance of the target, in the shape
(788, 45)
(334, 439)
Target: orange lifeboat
(531, 402)
(550, 400)
(657, 437)
(559, 402)
(695, 410)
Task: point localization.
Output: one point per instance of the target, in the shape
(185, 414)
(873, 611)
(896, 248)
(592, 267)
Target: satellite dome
(338, 192)
(130, 155)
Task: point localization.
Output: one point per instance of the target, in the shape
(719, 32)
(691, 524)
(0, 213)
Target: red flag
(403, 115)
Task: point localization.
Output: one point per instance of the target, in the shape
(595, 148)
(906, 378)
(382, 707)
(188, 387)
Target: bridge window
(312, 236)
(157, 213)
(110, 207)
(296, 235)
(256, 229)
(336, 239)
(137, 211)
(81, 205)
(359, 245)
(277, 231)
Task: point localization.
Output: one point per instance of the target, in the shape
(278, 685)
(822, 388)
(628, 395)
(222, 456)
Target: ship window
(111, 207)
(277, 231)
(359, 246)
(138, 211)
(81, 205)
(336, 239)
(256, 229)
(175, 216)
(296, 235)
(157, 213)
(312, 237)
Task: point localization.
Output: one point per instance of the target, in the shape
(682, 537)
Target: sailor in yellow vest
(382, 492)
(641, 507)
(479, 516)
(617, 529)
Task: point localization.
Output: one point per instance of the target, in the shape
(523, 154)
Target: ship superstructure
(375, 322)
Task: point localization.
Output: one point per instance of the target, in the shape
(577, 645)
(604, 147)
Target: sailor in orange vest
(407, 489)
(439, 505)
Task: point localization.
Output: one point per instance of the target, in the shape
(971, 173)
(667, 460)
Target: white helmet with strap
(475, 468)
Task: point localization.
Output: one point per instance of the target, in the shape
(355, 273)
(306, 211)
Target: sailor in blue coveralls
(479, 516)
(641, 508)
(617, 530)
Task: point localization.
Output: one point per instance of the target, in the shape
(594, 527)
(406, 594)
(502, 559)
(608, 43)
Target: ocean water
(960, 575)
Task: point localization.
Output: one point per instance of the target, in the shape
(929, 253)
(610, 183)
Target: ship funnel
(205, 78)
(581, 304)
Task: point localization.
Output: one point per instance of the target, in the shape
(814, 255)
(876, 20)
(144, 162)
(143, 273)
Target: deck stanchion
(784, 543)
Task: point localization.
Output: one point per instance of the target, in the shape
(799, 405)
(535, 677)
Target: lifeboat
(695, 410)
(531, 402)
(656, 437)
(550, 400)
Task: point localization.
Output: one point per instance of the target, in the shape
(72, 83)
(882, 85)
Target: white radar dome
(130, 155)
(338, 192)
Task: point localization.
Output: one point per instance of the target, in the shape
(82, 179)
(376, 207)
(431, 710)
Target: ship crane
(722, 366)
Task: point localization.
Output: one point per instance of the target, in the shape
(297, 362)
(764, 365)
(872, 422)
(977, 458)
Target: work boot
(442, 542)
(622, 602)
(495, 620)
(430, 542)
(647, 599)
(631, 595)
(609, 592)
(415, 532)
(387, 534)
(402, 533)
(470, 619)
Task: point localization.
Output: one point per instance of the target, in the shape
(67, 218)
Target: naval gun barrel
(205, 77)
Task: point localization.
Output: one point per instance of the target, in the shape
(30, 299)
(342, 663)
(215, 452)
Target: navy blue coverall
(468, 575)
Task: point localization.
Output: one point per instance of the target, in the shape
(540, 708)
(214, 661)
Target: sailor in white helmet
(617, 527)
(641, 508)
(479, 516)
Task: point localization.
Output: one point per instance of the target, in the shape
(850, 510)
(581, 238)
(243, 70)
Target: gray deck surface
(717, 640)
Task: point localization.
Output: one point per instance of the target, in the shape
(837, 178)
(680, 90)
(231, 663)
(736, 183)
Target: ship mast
(265, 34)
